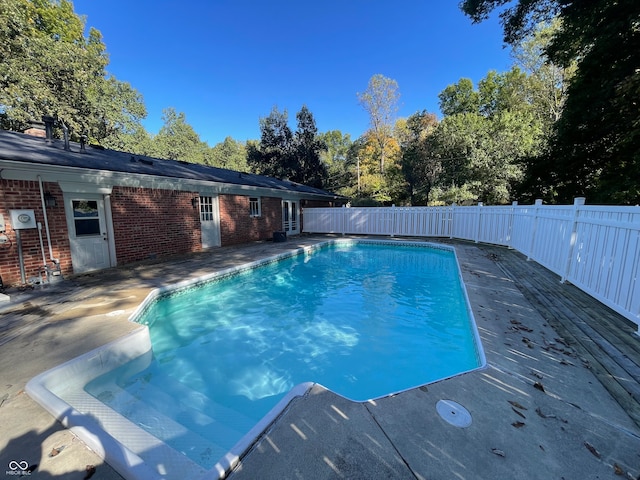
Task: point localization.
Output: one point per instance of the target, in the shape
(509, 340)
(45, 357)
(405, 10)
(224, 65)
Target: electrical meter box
(22, 219)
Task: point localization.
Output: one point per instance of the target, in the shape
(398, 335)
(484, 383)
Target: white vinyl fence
(596, 248)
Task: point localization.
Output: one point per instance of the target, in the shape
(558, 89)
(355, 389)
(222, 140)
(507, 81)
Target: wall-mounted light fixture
(49, 200)
(195, 202)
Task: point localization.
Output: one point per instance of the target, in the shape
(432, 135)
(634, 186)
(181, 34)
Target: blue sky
(226, 63)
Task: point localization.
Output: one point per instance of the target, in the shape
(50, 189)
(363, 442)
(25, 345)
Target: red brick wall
(236, 226)
(151, 223)
(17, 195)
(147, 223)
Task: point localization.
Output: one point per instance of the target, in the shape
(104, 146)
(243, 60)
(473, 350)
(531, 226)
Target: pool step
(168, 462)
(203, 451)
(193, 409)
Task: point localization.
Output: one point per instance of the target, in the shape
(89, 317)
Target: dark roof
(29, 149)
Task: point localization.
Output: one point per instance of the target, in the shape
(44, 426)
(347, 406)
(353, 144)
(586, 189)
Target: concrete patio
(546, 406)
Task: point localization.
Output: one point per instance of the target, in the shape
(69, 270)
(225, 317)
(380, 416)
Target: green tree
(118, 111)
(229, 154)
(284, 154)
(273, 156)
(596, 146)
(308, 147)
(420, 168)
(460, 97)
(482, 153)
(508, 91)
(548, 81)
(177, 140)
(336, 157)
(48, 67)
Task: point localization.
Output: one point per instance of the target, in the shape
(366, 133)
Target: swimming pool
(340, 315)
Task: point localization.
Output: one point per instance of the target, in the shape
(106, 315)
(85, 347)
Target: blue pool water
(364, 320)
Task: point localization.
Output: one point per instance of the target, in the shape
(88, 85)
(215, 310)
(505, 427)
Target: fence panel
(465, 223)
(522, 228)
(606, 260)
(595, 248)
(551, 237)
(495, 225)
(422, 221)
(323, 220)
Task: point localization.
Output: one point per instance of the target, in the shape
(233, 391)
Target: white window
(254, 206)
(206, 209)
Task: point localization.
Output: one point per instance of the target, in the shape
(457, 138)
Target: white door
(87, 232)
(290, 215)
(209, 222)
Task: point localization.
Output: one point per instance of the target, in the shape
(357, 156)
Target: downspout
(46, 222)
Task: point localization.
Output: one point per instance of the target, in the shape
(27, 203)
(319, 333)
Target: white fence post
(343, 220)
(393, 220)
(479, 220)
(534, 227)
(451, 222)
(577, 203)
(511, 217)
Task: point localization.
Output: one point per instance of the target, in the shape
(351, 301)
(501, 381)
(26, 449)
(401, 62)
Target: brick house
(70, 208)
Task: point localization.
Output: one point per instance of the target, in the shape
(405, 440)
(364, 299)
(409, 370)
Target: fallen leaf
(617, 469)
(517, 405)
(536, 374)
(518, 412)
(518, 424)
(539, 386)
(90, 469)
(56, 450)
(500, 453)
(592, 449)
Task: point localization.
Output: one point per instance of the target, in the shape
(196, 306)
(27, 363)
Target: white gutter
(46, 223)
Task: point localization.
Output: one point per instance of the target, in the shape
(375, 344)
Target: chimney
(48, 126)
(36, 130)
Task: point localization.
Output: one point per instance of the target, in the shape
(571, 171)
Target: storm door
(87, 232)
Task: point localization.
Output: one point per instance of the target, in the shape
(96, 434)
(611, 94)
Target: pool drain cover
(453, 413)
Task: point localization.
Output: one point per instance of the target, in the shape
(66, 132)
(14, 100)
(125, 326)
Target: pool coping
(80, 370)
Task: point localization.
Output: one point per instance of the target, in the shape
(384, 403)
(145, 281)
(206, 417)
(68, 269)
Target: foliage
(229, 154)
(336, 159)
(48, 67)
(482, 153)
(420, 168)
(308, 147)
(380, 100)
(370, 182)
(459, 98)
(273, 156)
(177, 140)
(595, 149)
(281, 154)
